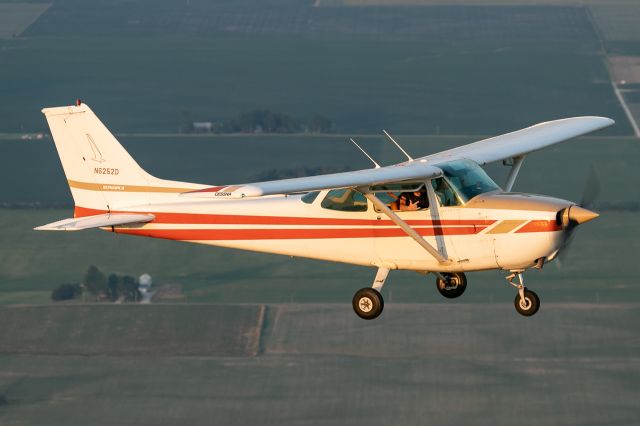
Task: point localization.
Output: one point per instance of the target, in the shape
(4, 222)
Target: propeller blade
(566, 245)
(581, 213)
(591, 189)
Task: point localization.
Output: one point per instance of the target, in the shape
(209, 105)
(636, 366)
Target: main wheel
(368, 303)
(529, 305)
(454, 286)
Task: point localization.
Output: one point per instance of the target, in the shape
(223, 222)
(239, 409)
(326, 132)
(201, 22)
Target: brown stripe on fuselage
(540, 226)
(505, 226)
(124, 188)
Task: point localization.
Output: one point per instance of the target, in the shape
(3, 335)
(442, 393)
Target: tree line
(262, 121)
(111, 288)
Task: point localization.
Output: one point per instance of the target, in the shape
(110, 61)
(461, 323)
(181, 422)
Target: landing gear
(368, 303)
(527, 305)
(527, 302)
(453, 285)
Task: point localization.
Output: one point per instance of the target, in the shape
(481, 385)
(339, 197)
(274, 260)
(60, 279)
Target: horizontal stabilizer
(98, 221)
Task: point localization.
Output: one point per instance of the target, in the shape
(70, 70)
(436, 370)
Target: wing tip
(589, 122)
(63, 110)
(604, 122)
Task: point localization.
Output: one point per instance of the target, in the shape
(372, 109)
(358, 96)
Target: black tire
(368, 303)
(529, 306)
(456, 285)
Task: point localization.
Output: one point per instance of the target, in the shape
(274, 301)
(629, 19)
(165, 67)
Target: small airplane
(439, 214)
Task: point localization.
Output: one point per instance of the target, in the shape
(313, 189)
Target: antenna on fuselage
(397, 144)
(365, 153)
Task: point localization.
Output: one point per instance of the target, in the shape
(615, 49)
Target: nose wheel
(527, 305)
(526, 302)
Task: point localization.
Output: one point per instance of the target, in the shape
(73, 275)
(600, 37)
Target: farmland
(320, 364)
(17, 17)
(448, 70)
(445, 70)
(240, 338)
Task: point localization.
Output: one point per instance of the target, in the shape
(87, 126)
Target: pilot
(416, 200)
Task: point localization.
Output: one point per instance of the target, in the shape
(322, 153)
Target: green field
(445, 70)
(319, 364)
(16, 17)
(439, 70)
(133, 330)
(270, 340)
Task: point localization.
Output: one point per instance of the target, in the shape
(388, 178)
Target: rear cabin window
(346, 200)
(310, 197)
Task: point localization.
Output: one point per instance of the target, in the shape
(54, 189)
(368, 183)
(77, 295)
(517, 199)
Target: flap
(411, 170)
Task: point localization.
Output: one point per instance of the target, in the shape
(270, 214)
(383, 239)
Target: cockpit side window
(446, 196)
(412, 200)
(346, 200)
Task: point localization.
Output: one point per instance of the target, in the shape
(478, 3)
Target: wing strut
(513, 173)
(406, 228)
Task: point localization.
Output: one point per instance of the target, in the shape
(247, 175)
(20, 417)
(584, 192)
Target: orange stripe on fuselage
(222, 219)
(288, 234)
(368, 228)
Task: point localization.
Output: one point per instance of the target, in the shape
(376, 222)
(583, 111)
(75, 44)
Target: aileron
(523, 141)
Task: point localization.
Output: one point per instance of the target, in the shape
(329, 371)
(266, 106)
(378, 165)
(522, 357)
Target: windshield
(467, 178)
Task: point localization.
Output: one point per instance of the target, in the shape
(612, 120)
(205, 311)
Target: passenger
(395, 204)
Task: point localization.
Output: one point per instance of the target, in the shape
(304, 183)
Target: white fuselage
(494, 231)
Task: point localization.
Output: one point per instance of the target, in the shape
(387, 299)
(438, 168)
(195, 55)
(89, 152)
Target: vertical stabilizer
(100, 172)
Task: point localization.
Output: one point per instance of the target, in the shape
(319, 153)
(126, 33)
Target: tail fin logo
(97, 155)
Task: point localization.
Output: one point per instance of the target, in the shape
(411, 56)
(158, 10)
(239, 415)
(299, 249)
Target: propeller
(591, 190)
(575, 215)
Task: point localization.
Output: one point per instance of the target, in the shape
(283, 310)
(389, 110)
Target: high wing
(97, 221)
(521, 142)
(498, 148)
(418, 169)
